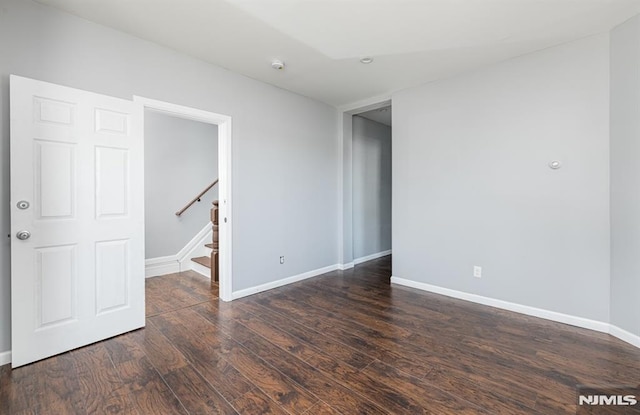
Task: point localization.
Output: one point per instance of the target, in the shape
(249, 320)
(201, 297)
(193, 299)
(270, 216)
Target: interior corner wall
(625, 176)
(180, 160)
(285, 153)
(371, 187)
(472, 185)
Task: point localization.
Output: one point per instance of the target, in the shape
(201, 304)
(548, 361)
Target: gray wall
(625, 176)
(285, 152)
(471, 185)
(371, 187)
(180, 160)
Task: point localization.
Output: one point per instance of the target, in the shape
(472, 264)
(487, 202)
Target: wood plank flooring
(343, 343)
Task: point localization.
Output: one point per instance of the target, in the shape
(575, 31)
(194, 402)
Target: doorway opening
(367, 187)
(199, 222)
(371, 166)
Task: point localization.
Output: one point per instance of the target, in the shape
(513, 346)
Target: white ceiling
(381, 115)
(321, 41)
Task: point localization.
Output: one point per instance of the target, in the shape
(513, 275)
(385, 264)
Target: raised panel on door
(111, 122)
(55, 180)
(112, 182)
(112, 275)
(56, 281)
(47, 110)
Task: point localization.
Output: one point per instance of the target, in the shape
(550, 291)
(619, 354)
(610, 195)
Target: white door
(77, 218)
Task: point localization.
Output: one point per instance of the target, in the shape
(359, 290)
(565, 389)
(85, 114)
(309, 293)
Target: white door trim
(224, 175)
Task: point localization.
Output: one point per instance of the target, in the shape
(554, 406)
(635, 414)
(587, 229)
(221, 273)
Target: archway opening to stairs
(187, 197)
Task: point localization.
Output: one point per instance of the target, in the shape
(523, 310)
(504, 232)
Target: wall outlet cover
(477, 271)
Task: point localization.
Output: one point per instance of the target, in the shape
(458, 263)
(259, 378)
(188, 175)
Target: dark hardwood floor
(343, 343)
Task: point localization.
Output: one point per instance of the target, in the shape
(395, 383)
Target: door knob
(23, 204)
(23, 235)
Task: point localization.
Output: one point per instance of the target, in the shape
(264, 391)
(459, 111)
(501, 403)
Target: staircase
(211, 261)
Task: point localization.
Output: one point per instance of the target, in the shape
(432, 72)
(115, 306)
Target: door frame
(223, 122)
(345, 193)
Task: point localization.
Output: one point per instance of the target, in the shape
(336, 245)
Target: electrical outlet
(477, 271)
(282, 259)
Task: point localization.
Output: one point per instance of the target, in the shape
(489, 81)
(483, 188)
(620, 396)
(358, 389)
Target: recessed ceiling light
(277, 64)
(366, 60)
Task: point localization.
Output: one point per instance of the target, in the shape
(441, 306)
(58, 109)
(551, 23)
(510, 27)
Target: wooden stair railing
(197, 198)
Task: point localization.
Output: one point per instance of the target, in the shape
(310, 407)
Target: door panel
(112, 179)
(112, 276)
(56, 279)
(77, 160)
(55, 178)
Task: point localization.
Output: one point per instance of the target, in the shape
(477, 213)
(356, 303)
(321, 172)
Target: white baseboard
(506, 305)
(586, 323)
(195, 247)
(154, 267)
(285, 281)
(346, 266)
(624, 335)
(5, 358)
(371, 257)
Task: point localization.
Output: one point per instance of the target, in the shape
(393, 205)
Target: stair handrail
(197, 198)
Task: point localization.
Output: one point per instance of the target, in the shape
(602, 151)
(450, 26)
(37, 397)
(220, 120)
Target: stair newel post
(214, 251)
